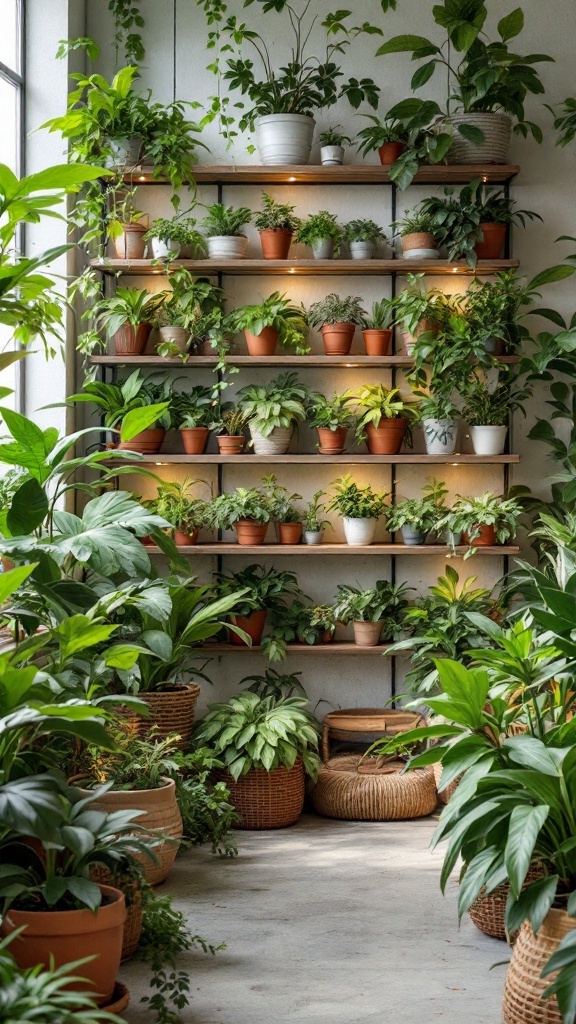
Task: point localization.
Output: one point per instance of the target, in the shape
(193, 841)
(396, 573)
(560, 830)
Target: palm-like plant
(225, 220)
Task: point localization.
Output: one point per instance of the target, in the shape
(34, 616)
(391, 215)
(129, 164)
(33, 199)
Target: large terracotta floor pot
(523, 1003)
(171, 710)
(67, 935)
(267, 799)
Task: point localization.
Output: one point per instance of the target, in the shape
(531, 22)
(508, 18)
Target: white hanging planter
(331, 156)
(362, 250)
(440, 436)
(488, 440)
(227, 247)
(285, 138)
(359, 532)
(161, 250)
(277, 443)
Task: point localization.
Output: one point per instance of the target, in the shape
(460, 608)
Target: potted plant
(139, 407)
(298, 623)
(285, 514)
(494, 310)
(271, 322)
(439, 418)
(272, 411)
(174, 238)
(332, 419)
(337, 319)
(188, 515)
(126, 318)
(417, 517)
(222, 230)
(417, 235)
(246, 510)
(377, 328)
(229, 428)
(312, 522)
(187, 314)
(426, 136)
(193, 413)
(419, 311)
(263, 740)
(388, 137)
(265, 591)
(360, 508)
(276, 225)
(371, 611)
(362, 236)
(488, 407)
(322, 233)
(332, 142)
(383, 418)
(288, 92)
(483, 521)
(125, 225)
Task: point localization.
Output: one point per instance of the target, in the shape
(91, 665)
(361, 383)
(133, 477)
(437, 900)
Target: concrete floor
(330, 922)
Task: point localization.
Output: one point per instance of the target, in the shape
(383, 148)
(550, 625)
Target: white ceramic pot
(410, 536)
(161, 250)
(331, 156)
(421, 254)
(488, 440)
(124, 152)
(323, 249)
(359, 532)
(276, 444)
(285, 138)
(227, 247)
(177, 336)
(313, 536)
(440, 436)
(494, 150)
(362, 250)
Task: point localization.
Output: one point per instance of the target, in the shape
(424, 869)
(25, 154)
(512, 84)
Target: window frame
(17, 79)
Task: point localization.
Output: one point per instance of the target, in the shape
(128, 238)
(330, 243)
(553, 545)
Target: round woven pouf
(357, 788)
(264, 799)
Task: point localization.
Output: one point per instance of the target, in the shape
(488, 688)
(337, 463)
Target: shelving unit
(395, 268)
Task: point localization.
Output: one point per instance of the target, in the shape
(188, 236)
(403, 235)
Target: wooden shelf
(326, 362)
(332, 460)
(362, 268)
(348, 174)
(336, 647)
(222, 548)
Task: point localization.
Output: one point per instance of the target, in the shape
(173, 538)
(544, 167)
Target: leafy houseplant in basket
(135, 402)
(388, 137)
(193, 413)
(488, 409)
(273, 410)
(360, 508)
(271, 323)
(222, 229)
(417, 517)
(439, 418)
(276, 224)
(417, 235)
(126, 318)
(187, 514)
(322, 233)
(418, 310)
(377, 328)
(267, 745)
(362, 237)
(312, 522)
(383, 418)
(247, 510)
(337, 319)
(175, 238)
(285, 514)
(372, 611)
(483, 521)
(265, 591)
(332, 419)
(229, 426)
(332, 143)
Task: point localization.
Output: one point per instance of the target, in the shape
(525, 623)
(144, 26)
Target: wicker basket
(133, 896)
(523, 1003)
(488, 912)
(277, 443)
(494, 149)
(372, 789)
(171, 710)
(267, 799)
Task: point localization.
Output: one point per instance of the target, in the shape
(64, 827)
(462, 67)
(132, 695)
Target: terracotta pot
(194, 439)
(171, 710)
(275, 243)
(367, 634)
(332, 441)
(184, 539)
(377, 343)
(252, 624)
(386, 439)
(130, 245)
(487, 537)
(290, 533)
(524, 987)
(132, 342)
(120, 999)
(267, 799)
(161, 815)
(62, 936)
(390, 152)
(7, 564)
(263, 344)
(231, 444)
(249, 532)
(147, 442)
(337, 338)
(492, 244)
(418, 240)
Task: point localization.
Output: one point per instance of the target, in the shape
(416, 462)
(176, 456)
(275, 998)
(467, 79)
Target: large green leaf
(531, 752)
(532, 905)
(137, 420)
(511, 25)
(28, 509)
(405, 44)
(14, 578)
(523, 831)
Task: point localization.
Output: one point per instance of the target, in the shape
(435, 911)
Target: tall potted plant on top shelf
(276, 224)
(283, 100)
(337, 319)
(487, 409)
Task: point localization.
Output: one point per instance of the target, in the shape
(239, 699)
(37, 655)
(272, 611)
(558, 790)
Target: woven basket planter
(276, 444)
(494, 149)
(368, 789)
(523, 1003)
(171, 710)
(267, 799)
(488, 912)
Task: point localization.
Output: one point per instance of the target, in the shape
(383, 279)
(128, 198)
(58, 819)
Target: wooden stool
(358, 725)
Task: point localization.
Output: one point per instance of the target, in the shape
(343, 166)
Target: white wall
(545, 185)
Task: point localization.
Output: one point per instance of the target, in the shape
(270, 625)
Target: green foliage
(127, 18)
(363, 231)
(376, 402)
(298, 622)
(273, 684)
(179, 230)
(136, 394)
(331, 413)
(356, 502)
(415, 304)
(194, 408)
(282, 505)
(263, 588)
(243, 503)
(318, 227)
(276, 215)
(565, 121)
(382, 315)
(491, 406)
(333, 137)
(280, 403)
(379, 132)
(468, 515)
(278, 313)
(415, 222)
(225, 220)
(127, 307)
(312, 519)
(385, 602)
(427, 133)
(334, 310)
(421, 514)
(177, 506)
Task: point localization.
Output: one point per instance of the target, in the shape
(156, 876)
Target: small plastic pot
(411, 537)
(313, 536)
(331, 156)
(323, 249)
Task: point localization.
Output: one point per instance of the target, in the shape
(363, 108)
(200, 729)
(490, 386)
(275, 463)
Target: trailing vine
(127, 17)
